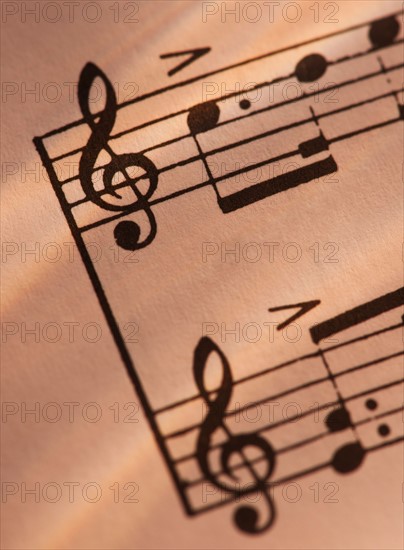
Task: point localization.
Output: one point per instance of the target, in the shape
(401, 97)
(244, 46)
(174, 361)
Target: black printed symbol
(203, 117)
(304, 307)
(338, 420)
(311, 68)
(101, 128)
(348, 458)
(383, 430)
(384, 31)
(246, 517)
(371, 404)
(245, 104)
(127, 234)
(193, 56)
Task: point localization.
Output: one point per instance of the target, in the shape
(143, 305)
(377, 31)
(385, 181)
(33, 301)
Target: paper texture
(202, 275)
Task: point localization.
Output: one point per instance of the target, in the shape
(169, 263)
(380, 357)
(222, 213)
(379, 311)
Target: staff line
(289, 391)
(231, 146)
(285, 364)
(233, 66)
(341, 400)
(293, 477)
(302, 443)
(233, 94)
(138, 206)
(305, 414)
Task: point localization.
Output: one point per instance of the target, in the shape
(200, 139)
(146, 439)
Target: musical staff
(127, 166)
(344, 411)
(310, 128)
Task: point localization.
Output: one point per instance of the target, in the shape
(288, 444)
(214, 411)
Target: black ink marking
(313, 146)
(281, 183)
(203, 117)
(127, 234)
(348, 458)
(338, 420)
(245, 104)
(305, 307)
(311, 68)
(384, 430)
(357, 315)
(287, 364)
(340, 85)
(300, 443)
(228, 67)
(77, 234)
(384, 31)
(193, 56)
(246, 517)
(384, 70)
(292, 389)
(112, 323)
(371, 404)
(202, 156)
(100, 133)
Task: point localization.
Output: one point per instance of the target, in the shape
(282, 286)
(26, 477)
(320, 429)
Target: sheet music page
(202, 256)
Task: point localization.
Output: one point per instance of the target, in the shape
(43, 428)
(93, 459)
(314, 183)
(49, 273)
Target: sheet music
(203, 299)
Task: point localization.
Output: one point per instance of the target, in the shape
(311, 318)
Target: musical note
(203, 117)
(246, 517)
(127, 234)
(383, 31)
(348, 458)
(311, 68)
(338, 419)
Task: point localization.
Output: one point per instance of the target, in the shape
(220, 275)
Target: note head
(203, 117)
(311, 68)
(348, 458)
(338, 420)
(384, 31)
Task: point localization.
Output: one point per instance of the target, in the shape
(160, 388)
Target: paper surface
(202, 295)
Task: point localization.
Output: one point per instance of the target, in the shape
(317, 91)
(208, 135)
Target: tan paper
(202, 295)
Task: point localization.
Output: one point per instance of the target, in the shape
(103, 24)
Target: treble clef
(127, 233)
(245, 517)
